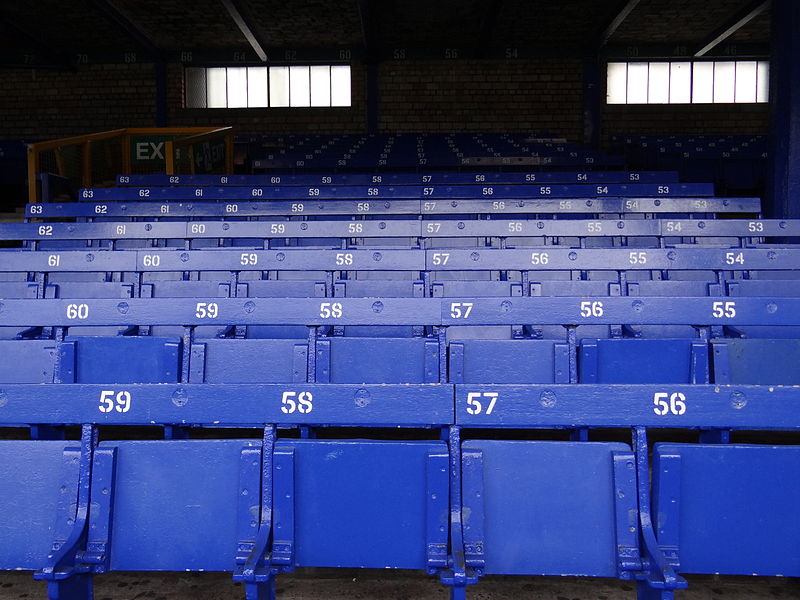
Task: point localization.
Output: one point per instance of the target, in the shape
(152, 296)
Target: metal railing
(94, 160)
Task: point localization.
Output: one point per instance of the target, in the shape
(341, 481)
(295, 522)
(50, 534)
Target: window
(261, 87)
(697, 82)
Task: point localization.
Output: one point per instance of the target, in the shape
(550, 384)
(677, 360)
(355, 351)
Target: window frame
(197, 78)
(620, 97)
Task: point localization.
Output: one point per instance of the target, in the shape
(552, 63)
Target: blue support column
(785, 99)
(161, 93)
(592, 104)
(373, 97)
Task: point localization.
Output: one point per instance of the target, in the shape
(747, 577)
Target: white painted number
(591, 309)
(669, 404)
(77, 311)
(206, 310)
(330, 309)
(540, 258)
(460, 310)
(248, 258)
(302, 402)
(343, 258)
(440, 258)
(475, 406)
(723, 309)
(732, 258)
(594, 227)
(637, 258)
(111, 400)
(151, 260)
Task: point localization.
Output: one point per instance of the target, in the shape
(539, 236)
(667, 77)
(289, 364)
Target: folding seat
(16, 290)
(33, 473)
(377, 360)
(120, 359)
(85, 359)
(360, 288)
(507, 361)
(728, 509)
(279, 288)
(179, 288)
(575, 289)
(34, 361)
(478, 289)
(363, 504)
(668, 289)
(249, 361)
(547, 508)
(765, 286)
(185, 519)
(756, 361)
(643, 361)
(67, 288)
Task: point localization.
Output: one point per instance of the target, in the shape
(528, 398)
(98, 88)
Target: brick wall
(43, 104)
(465, 95)
(685, 119)
(488, 95)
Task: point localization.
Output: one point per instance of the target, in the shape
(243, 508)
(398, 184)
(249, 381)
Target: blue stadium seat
(726, 509)
(632, 361)
(249, 361)
(377, 360)
(34, 473)
(350, 510)
(546, 508)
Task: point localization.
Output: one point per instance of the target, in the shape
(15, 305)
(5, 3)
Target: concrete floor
(377, 585)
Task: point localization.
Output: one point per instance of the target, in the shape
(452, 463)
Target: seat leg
(458, 592)
(645, 592)
(264, 590)
(75, 587)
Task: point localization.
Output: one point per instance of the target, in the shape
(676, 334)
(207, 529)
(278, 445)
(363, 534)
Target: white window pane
(278, 86)
(724, 81)
(658, 83)
(637, 83)
(257, 88)
(703, 82)
(762, 87)
(196, 88)
(299, 93)
(746, 80)
(340, 85)
(217, 92)
(320, 86)
(680, 82)
(617, 83)
(237, 87)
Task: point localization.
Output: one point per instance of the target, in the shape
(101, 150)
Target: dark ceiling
(64, 26)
